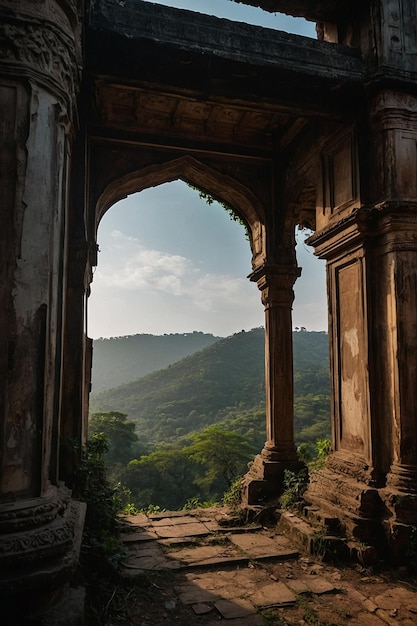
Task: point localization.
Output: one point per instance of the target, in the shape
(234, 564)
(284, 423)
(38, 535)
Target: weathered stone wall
(39, 76)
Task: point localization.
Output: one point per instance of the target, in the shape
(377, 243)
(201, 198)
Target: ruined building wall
(39, 75)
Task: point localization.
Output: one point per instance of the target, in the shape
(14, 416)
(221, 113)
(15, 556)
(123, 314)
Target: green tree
(163, 477)
(120, 434)
(224, 454)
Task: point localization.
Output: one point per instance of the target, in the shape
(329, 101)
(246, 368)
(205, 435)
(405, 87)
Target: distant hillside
(119, 360)
(224, 382)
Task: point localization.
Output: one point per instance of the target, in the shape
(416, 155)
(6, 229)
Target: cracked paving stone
(298, 585)
(318, 585)
(205, 555)
(196, 596)
(201, 608)
(259, 546)
(249, 620)
(140, 520)
(174, 521)
(275, 594)
(396, 597)
(238, 607)
(145, 563)
(192, 529)
(145, 535)
(145, 556)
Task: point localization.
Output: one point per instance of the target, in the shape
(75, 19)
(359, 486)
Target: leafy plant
(101, 549)
(232, 497)
(195, 503)
(323, 447)
(295, 485)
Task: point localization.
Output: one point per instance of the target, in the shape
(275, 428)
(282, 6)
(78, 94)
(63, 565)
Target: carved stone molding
(38, 531)
(35, 512)
(38, 49)
(276, 284)
(394, 100)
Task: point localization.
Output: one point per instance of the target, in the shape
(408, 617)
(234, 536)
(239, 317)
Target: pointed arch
(221, 186)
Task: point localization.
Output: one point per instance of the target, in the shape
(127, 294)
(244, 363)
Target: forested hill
(224, 382)
(119, 360)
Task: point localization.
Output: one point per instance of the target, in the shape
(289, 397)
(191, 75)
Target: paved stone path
(250, 576)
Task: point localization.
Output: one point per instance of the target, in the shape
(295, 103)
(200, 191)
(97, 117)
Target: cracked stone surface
(248, 576)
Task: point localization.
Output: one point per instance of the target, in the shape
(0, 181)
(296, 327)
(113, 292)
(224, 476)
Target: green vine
(235, 217)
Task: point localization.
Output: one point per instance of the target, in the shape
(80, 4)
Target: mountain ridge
(222, 382)
(115, 358)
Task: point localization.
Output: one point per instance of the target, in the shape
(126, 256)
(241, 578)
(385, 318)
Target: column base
(264, 480)
(383, 517)
(40, 542)
(344, 489)
(400, 501)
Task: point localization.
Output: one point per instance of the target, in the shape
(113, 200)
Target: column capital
(82, 256)
(268, 273)
(43, 42)
(276, 283)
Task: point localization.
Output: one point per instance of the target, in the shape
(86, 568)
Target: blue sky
(170, 263)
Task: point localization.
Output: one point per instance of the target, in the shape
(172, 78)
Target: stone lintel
(225, 39)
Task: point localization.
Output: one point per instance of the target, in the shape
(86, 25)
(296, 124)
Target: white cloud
(129, 266)
(139, 288)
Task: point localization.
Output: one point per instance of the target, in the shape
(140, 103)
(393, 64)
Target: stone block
(275, 594)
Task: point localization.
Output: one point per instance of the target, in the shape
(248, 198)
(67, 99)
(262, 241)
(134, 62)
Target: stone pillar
(347, 487)
(279, 453)
(73, 384)
(394, 119)
(39, 71)
(369, 482)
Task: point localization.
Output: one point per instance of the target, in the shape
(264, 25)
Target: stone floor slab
(140, 519)
(202, 609)
(195, 529)
(318, 584)
(230, 609)
(260, 546)
(397, 597)
(196, 596)
(145, 563)
(145, 535)
(166, 514)
(275, 594)
(145, 556)
(298, 586)
(173, 520)
(205, 580)
(205, 555)
(249, 620)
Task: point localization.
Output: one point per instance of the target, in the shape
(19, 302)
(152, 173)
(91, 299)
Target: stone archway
(244, 102)
(274, 279)
(221, 186)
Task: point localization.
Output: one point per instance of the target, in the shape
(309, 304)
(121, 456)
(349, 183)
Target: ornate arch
(223, 187)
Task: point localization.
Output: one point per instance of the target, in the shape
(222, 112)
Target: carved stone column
(39, 524)
(400, 494)
(394, 119)
(369, 482)
(279, 453)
